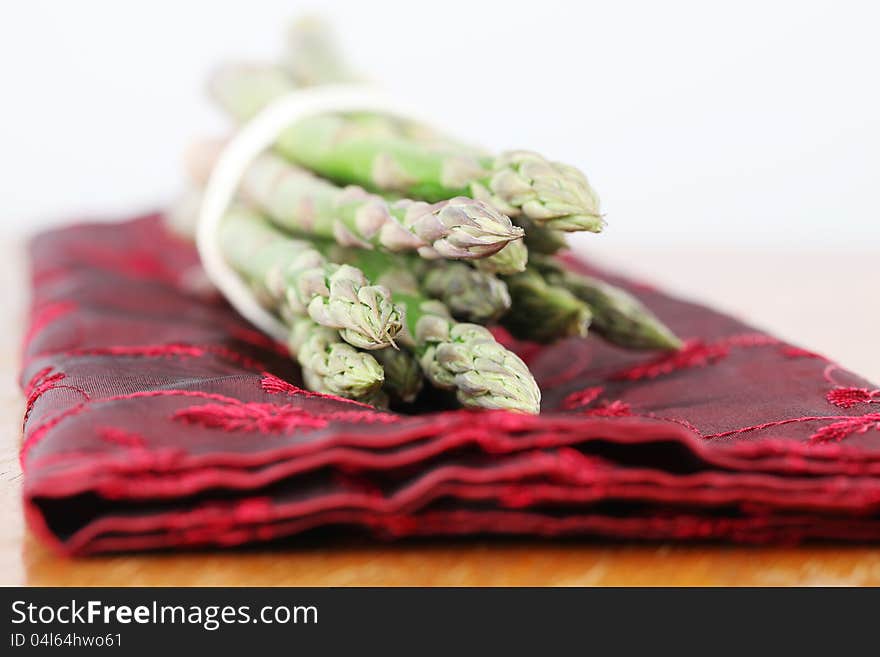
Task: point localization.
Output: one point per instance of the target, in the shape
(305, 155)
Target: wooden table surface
(816, 301)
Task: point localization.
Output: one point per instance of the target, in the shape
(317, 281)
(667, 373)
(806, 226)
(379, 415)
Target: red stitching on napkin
(118, 436)
(614, 408)
(40, 431)
(39, 377)
(274, 386)
(605, 408)
(770, 425)
(797, 352)
(846, 428)
(45, 316)
(41, 383)
(828, 375)
(265, 418)
(176, 350)
(583, 397)
(150, 350)
(843, 427)
(749, 340)
(694, 353)
(37, 435)
(272, 418)
(140, 262)
(847, 397)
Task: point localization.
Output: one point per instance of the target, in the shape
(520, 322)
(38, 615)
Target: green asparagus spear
(332, 366)
(540, 239)
(403, 376)
(300, 202)
(313, 57)
(243, 89)
(470, 294)
(290, 272)
(618, 317)
(509, 260)
(553, 195)
(467, 358)
(543, 312)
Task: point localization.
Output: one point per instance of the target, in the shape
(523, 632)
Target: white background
(753, 124)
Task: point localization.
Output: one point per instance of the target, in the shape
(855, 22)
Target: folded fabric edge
(556, 477)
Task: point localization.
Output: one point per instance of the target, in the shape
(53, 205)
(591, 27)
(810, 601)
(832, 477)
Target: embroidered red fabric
(157, 418)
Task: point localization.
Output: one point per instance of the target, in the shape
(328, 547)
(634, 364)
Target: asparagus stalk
(300, 202)
(618, 316)
(467, 358)
(552, 194)
(290, 273)
(453, 356)
(543, 312)
(509, 260)
(540, 239)
(332, 366)
(312, 55)
(469, 294)
(243, 89)
(403, 375)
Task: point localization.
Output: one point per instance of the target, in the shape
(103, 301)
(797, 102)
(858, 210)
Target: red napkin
(156, 418)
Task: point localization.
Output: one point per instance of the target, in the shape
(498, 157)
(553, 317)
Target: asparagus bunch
(386, 247)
